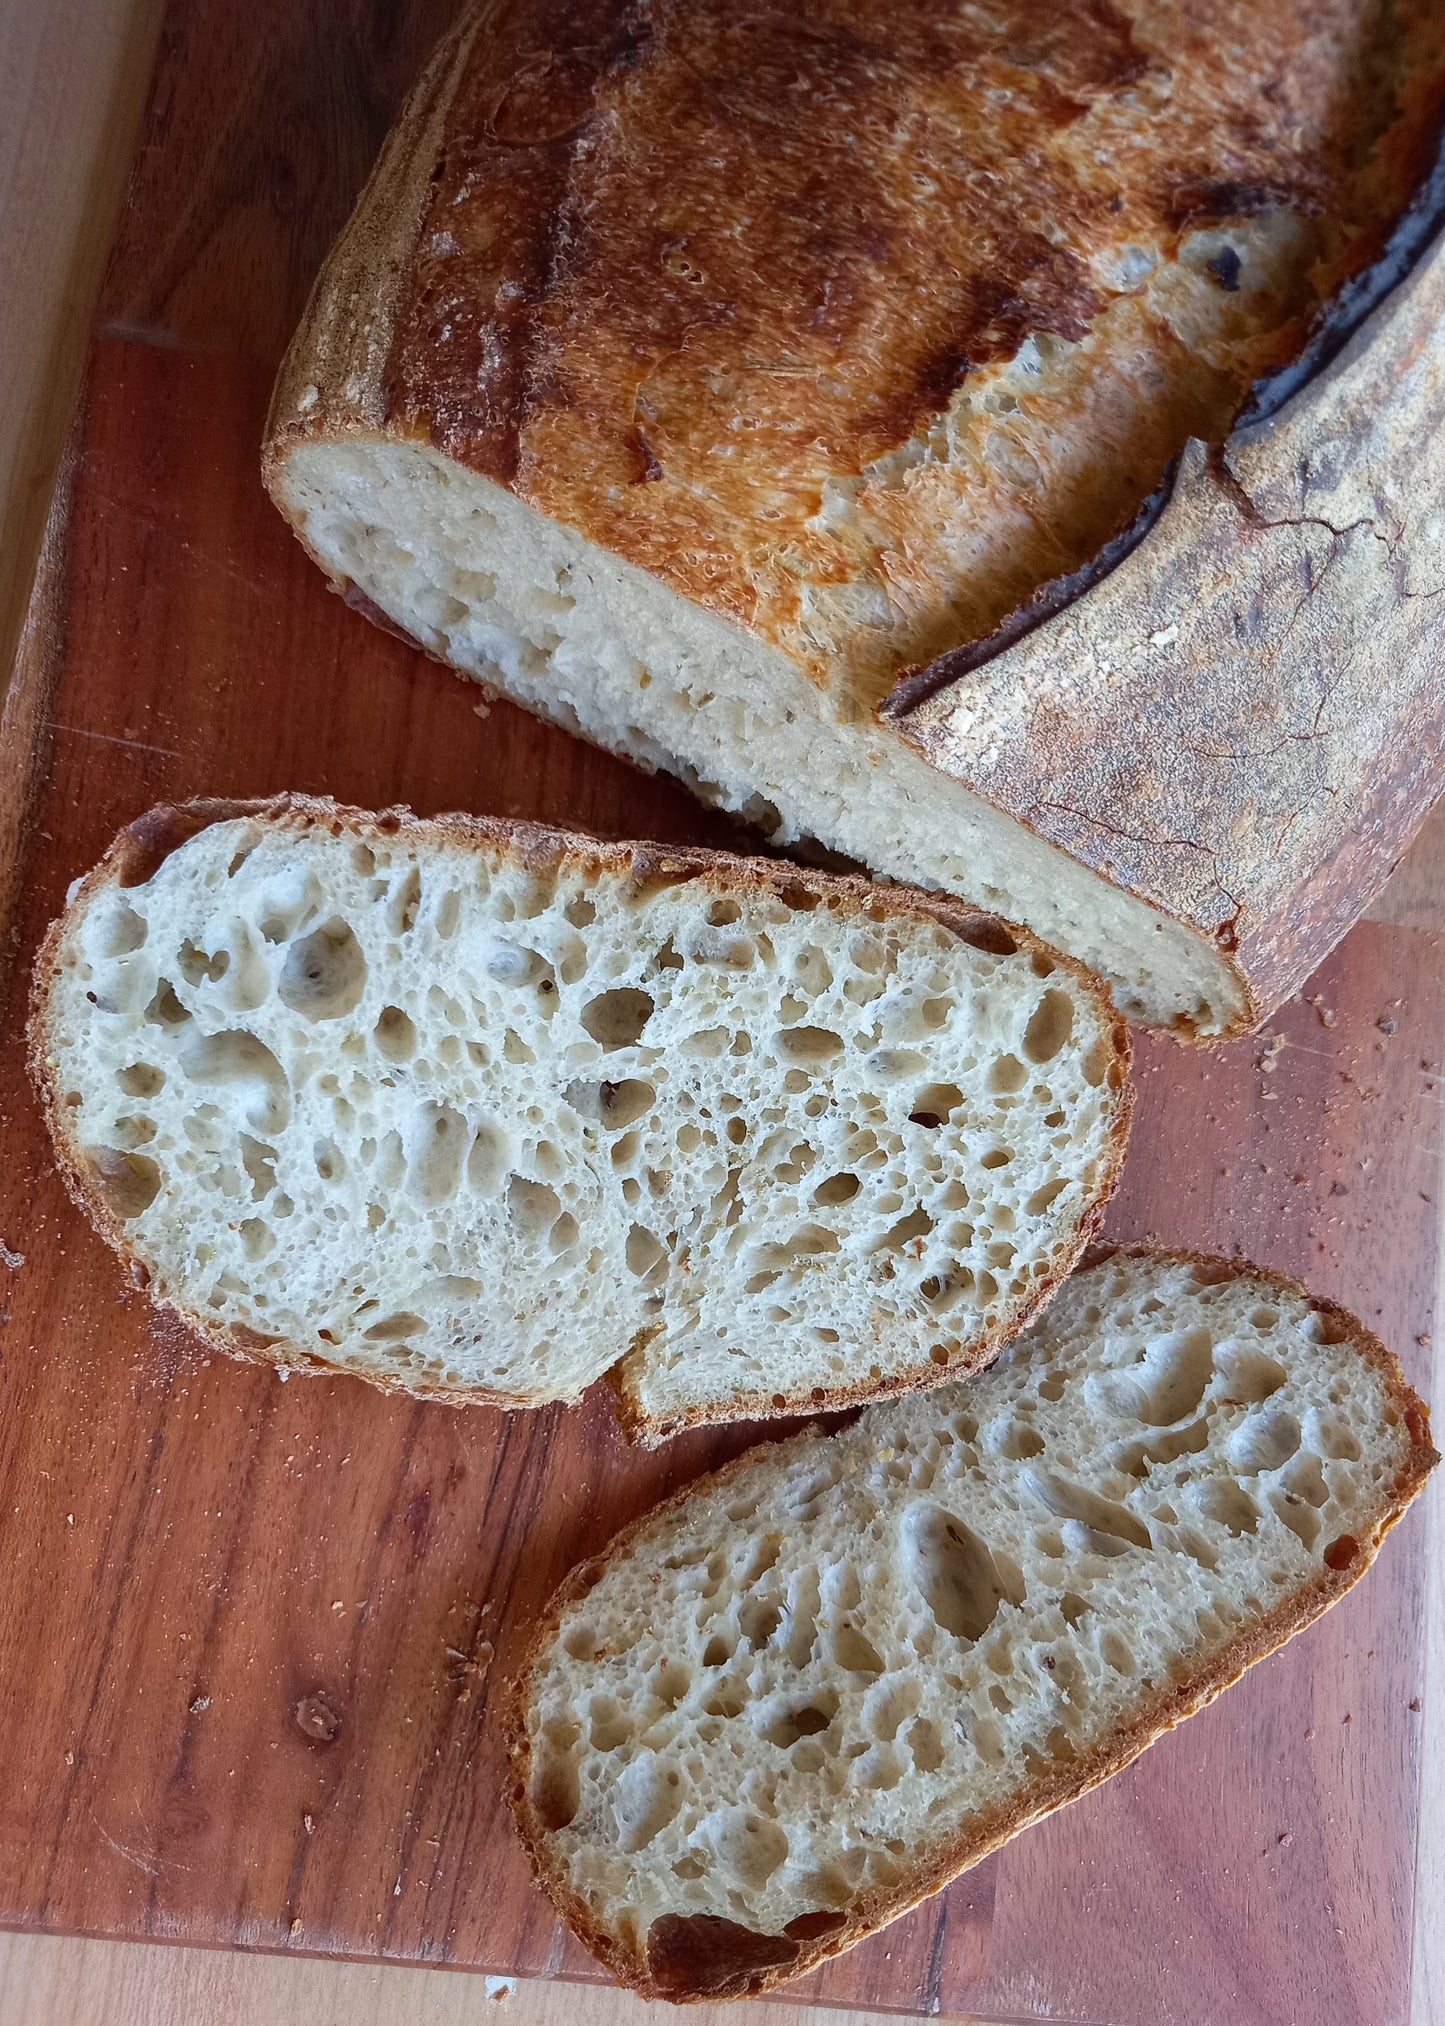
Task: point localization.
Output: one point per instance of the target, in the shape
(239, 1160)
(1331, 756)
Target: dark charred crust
(1210, 202)
(701, 1955)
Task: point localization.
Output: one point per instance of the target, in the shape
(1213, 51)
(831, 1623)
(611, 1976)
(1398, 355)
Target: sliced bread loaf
(715, 381)
(482, 1109)
(810, 1690)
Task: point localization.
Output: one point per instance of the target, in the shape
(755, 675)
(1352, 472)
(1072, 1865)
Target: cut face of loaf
(485, 1110)
(809, 1691)
(585, 639)
(745, 496)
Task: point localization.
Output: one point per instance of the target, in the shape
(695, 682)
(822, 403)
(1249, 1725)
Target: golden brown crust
(143, 845)
(1243, 724)
(1242, 731)
(632, 203)
(334, 375)
(1088, 1770)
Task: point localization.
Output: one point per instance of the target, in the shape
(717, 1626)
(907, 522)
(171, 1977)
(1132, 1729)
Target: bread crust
(876, 1909)
(1242, 726)
(139, 850)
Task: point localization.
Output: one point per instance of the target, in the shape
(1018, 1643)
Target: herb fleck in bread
(484, 1110)
(807, 1692)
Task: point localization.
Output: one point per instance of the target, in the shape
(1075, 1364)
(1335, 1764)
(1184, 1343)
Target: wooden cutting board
(252, 1633)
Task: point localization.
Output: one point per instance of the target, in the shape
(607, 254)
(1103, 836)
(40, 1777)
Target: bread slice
(643, 388)
(481, 1109)
(808, 1691)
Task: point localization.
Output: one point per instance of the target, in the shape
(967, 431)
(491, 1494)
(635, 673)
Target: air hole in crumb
(198, 965)
(748, 1848)
(1018, 1442)
(437, 1150)
(784, 1727)
(645, 1252)
(487, 1159)
(670, 1684)
(395, 1328)
(955, 1571)
(141, 1079)
(608, 1724)
(1227, 1504)
(1263, 1443)
(917, 1224)
(925, 1746)
(1050, 1027)
(1007, 1075)
(1305, 1479)
(404, 904)
(648, 1795)
(324, 974)
(395, 1034)
(1298, 1515)
(257, 1238)
(1098, 1061)
(935, 1103)
(1136, 1457)
(556, 1790)
(759, 1619)
(165, 1009)
(622, 1104)
(129, 1183)
(853, 1652)
(616, 1019)
(808, 1044)
(836, 1189)
(239, 1061)
(124, 932)
(1249, 1376)
(1112, 1526)
(533, 1206)
(1167, 1385)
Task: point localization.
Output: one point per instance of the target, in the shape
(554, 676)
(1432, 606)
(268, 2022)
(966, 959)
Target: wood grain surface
(197, 1552)
(51, 1980)
(73, 81)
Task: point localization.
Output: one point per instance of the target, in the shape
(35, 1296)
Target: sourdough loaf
(485, 1110)
(727, 387)
(808, 1691)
